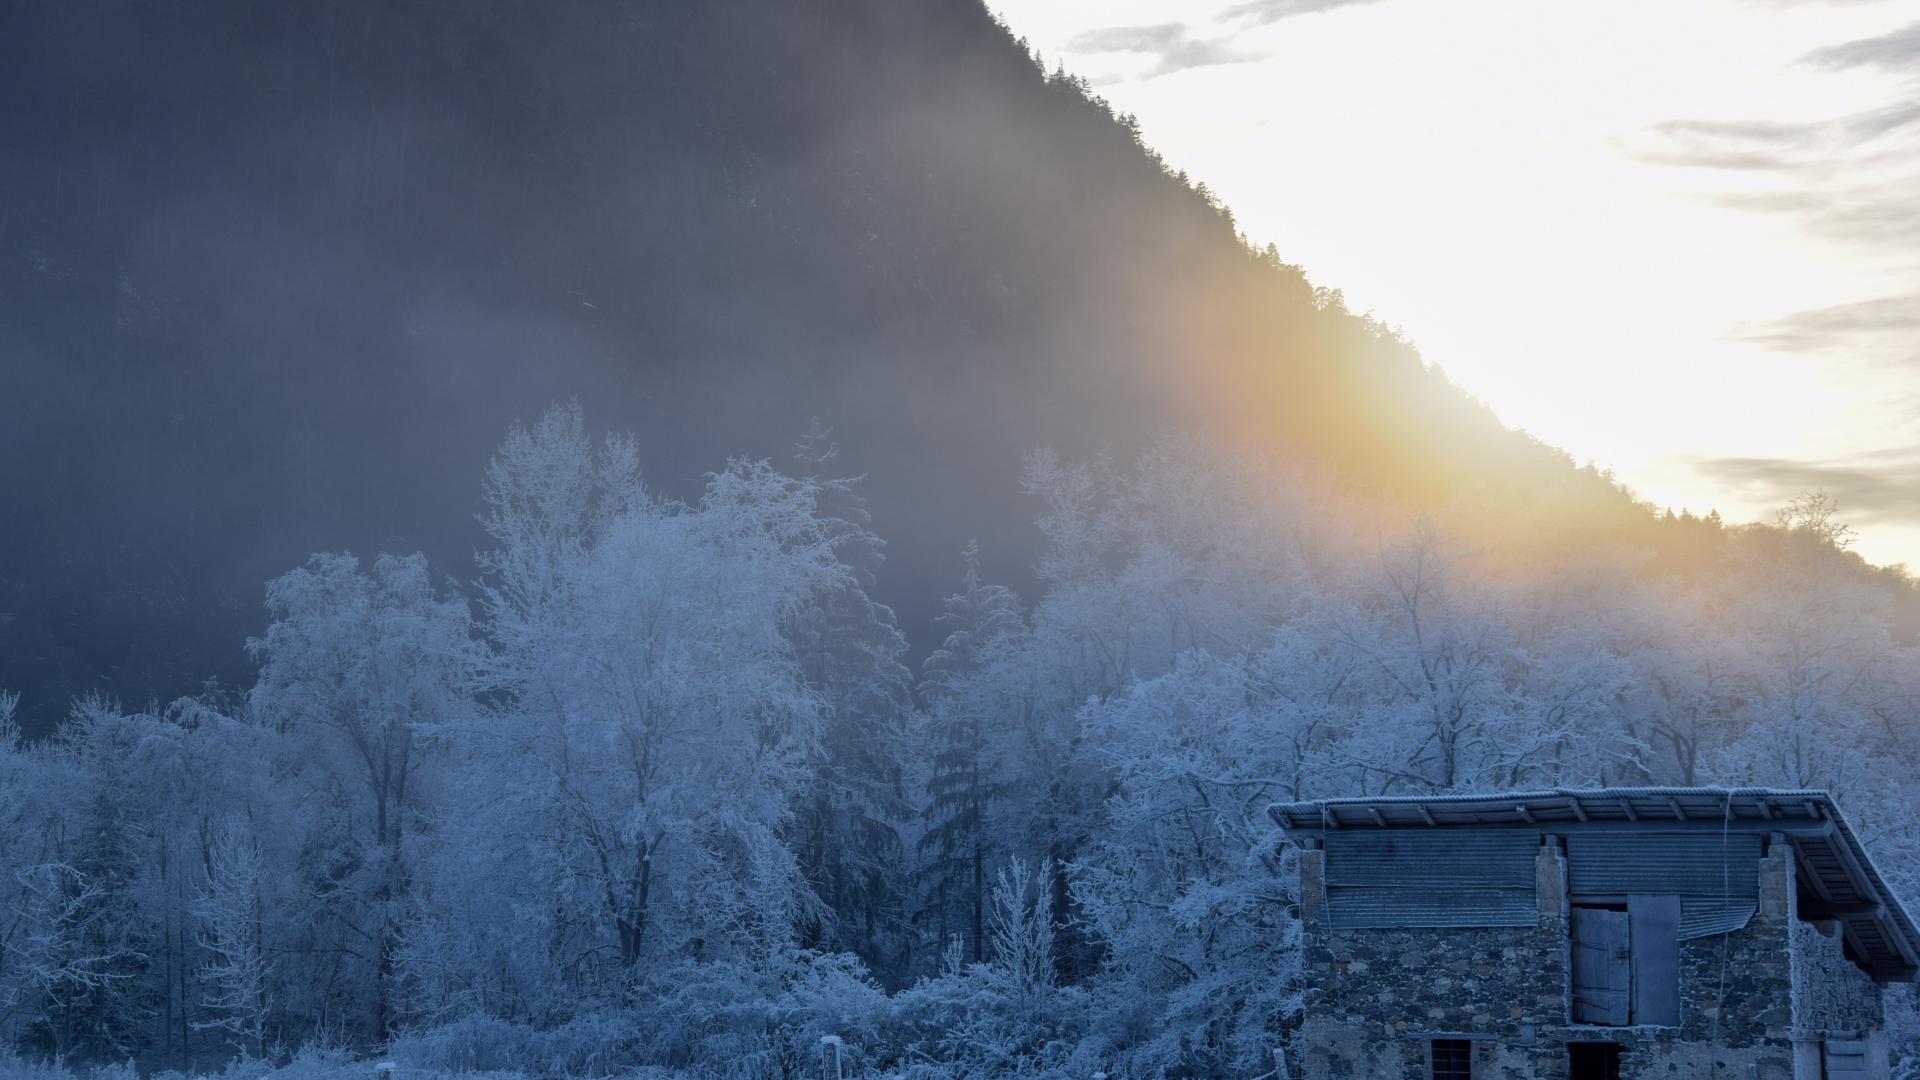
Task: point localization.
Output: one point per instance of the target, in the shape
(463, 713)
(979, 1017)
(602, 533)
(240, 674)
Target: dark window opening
(1594, 1061)
(1452, 1059)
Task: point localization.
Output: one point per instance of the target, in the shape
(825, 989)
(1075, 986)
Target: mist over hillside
(643, 539)
(277, 276)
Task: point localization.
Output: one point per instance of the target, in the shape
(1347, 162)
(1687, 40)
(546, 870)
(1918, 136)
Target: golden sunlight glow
(1594, 217)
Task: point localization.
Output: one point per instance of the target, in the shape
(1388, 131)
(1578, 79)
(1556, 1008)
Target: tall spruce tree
(850, 649)
(955, 847)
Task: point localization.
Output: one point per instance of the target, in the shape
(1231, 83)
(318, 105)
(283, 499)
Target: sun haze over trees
(671, 734)
(283, 273)
(650, 789)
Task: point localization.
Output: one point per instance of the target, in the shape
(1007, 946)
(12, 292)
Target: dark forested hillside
(274, 278)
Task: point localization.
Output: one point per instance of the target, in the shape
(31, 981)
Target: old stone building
(1683, 933)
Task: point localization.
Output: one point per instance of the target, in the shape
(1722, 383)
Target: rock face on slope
(277, 277)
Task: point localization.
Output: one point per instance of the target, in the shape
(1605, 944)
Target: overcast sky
(1680, 238)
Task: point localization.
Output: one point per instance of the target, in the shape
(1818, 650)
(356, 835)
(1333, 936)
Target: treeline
(659, 790)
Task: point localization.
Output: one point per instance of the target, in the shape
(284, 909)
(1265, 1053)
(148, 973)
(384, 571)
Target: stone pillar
(1879, 1054)
(1307, 1049)
(1806, 1059)
(1772, 931)
(1776, 883)
(1550, 881)
(1313, 886)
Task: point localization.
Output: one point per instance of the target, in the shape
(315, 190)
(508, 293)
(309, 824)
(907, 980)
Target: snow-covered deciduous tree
(94, 947)
(9, 705)
(1454, 697)
(358, 667)
(1183, 881)
(1020, 928)
(652, 736)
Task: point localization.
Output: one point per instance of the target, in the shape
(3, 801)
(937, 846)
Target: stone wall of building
(1376, 997)
(1377, 992)
(1830, 992)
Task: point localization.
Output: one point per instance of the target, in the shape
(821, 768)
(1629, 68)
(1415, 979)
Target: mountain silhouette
(277, 277)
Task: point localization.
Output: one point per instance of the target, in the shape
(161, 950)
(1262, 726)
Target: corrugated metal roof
(1716, 876)
(1704, 918)
(1412, 858)
(1408, 877)
(1830, 860)
(1696, 865)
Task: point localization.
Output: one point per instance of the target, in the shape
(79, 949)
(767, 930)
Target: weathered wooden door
(1653, 930)
(1602, 966)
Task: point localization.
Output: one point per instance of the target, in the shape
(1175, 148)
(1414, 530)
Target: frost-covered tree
(357, 667)
(1020, 928)
(89, 949)
(1182, 881)
(964, 704)
(653, 809)
(235, 970)
(206, 763)
(850, 651)
(651, 737)
(1145, 565)
(1455, 698)
(1817, 676)
(18, 776)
